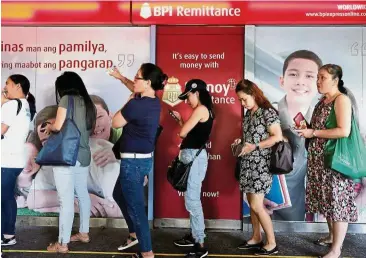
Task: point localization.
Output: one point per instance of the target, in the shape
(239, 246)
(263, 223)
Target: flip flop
(322, 242)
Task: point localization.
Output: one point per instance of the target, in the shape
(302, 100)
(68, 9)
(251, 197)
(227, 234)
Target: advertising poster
(43, 54)
(214, 55)
(284, 61)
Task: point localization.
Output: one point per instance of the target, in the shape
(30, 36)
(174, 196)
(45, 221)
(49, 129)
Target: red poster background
(220, 175)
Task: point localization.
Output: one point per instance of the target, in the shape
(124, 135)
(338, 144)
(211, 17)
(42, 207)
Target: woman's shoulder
(343, 97)
(201, 110)
(270, 112)
(343, 100)
(11, 104)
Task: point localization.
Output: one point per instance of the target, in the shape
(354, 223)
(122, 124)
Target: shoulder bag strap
(70, 107)
(243, 127)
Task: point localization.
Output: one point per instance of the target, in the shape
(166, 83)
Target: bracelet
(314, 135)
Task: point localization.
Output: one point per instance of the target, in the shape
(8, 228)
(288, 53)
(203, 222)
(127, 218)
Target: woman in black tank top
(195, 133)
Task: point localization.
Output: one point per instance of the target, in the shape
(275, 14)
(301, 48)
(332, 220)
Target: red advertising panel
(248, 12)
(65, 12)
(216, 56)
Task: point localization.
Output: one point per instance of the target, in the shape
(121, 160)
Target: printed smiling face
(299, 80)
(103, 124)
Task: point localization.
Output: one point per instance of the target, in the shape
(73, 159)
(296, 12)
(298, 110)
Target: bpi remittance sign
(247, 12)
(180, 10)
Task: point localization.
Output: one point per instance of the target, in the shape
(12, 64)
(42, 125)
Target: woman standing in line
(328, 192)
(261, 131)
(139, 118)
(73, 179)
(18, 107)
(195, 133)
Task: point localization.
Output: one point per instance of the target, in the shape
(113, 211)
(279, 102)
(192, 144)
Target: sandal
(57, 248)
(78, 237)
(323, 242)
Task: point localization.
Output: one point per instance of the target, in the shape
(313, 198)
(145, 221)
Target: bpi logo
(146, 11)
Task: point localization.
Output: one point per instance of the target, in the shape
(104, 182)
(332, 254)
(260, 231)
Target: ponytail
(341, 87)
(206, 100)
(32, 104)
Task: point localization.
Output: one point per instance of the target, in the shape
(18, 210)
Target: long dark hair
(25, 85)
(336, 72)
(250, 88)
(205, 99)
(154, 73)
(70, 83)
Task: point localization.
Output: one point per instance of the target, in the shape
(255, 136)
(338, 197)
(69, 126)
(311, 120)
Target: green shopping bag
(345, 155)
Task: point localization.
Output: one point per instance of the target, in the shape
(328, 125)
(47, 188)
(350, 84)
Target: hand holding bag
(345, 155)
(62, 148)
(178, 172)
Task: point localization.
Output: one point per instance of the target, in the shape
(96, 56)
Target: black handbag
(178, 172)
(282, 158)
(237, 169)
(62, 148)
(116, 146)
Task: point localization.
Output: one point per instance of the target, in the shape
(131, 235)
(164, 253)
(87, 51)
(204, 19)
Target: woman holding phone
(261, 130)
(195, 133)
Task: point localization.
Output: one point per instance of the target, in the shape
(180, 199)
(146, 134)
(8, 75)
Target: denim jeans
(192, 196)
(70, 181)
(131, 177)
(8, 203)
(120, 200)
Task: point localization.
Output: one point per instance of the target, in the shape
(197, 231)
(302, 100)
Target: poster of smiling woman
(284, 62)
(44, 53)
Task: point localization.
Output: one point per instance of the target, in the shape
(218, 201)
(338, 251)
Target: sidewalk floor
(32, 242)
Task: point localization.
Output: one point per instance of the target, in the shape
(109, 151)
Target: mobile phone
(236, 149)
(300, 121)
(174, 116)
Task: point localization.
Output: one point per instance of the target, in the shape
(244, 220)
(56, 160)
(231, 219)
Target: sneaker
(197, 252)
(186, 241)
(8, 241)
(131, 241)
